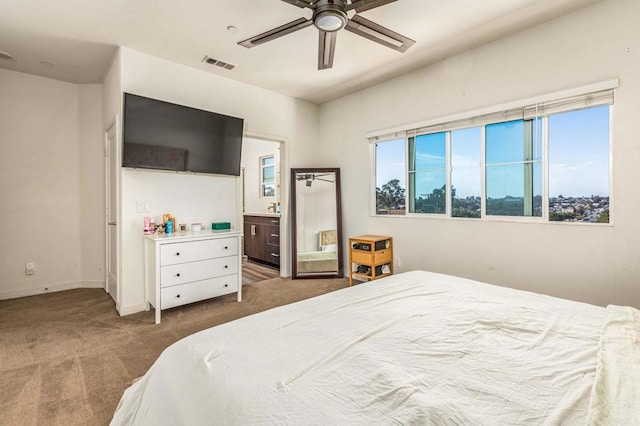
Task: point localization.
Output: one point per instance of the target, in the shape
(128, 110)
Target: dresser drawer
(274, 235)
(196, 271)
(382, 256)
(273, 254)
(263, 220)
(362, 257)
(171, 254)
(200, 290)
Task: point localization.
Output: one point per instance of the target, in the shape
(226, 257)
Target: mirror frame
(294, 233)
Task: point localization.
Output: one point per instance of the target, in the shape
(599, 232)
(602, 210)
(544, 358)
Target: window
(390, 171)
(466, 172)
(579, 166)
(547, 161)
(513, 168)
(267, 177)
(428, 173)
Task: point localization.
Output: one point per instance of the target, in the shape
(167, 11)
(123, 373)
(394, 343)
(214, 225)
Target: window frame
(263, 184)
(462, 121)
(447, 171)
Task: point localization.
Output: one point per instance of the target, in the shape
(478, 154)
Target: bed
(413, 348)
(323, 260)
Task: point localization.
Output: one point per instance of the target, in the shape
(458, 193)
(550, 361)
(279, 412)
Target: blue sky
(578, 157)
(579, 153)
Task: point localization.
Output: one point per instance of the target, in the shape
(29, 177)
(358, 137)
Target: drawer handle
(178, 254)
(275, 235)
(275, 221)
(226, 266)
(275, 255)
(226, 285)
(178, 274)
(178, 296)
(226, 247)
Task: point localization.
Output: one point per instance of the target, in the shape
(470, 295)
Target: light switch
(143, 206)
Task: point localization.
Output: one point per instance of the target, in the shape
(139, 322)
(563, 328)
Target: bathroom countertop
(263, 214)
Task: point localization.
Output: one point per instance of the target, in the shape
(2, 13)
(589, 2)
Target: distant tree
(390, 197)
(466, 207)
(436, 202)
(562, 217)
(603, 217)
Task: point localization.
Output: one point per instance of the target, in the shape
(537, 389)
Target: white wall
(202, 198)
(49, 188)
(92, 196)
(252, 150)
(588, 263)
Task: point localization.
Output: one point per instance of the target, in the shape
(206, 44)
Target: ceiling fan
(310, 177)
(330, 16)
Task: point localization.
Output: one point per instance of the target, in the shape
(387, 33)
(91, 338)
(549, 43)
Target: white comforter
(414, 348)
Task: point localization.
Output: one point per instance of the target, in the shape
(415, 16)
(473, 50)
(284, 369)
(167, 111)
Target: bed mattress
(414, 348)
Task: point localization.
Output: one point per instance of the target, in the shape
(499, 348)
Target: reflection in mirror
(317, 227)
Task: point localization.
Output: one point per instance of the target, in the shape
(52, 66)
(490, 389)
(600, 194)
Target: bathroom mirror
(317, 223)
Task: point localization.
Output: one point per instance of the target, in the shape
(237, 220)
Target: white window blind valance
(604, 97)
(526, 111)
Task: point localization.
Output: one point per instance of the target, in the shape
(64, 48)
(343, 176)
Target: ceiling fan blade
(300, 3)
(362, 5)
(374, 32)
(326, 49)
(275, 33)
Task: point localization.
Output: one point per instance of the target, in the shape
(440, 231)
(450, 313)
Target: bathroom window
(267, 176)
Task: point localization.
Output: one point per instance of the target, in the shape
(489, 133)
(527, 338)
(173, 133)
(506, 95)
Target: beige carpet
(67, 357)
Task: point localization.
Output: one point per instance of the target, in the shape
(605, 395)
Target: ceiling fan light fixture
(331, 16)
(330, 20)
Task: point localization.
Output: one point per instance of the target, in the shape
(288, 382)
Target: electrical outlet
(398, 262)
(29, 268)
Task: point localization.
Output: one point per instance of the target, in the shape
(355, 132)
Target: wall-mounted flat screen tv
(165, 136)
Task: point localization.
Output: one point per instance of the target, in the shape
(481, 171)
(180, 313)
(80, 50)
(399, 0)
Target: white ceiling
(79, 37)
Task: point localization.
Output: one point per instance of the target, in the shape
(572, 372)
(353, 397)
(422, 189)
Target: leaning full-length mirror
(317, 223)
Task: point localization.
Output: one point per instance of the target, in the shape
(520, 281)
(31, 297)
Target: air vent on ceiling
(213, 61)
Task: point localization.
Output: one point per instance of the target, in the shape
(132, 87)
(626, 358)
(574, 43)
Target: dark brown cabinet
(262, 239)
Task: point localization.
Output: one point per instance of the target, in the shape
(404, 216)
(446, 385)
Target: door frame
(115, 129)
(285, 267)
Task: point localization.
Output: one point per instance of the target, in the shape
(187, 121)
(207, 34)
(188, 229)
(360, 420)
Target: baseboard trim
(131, 309)
(34, 291)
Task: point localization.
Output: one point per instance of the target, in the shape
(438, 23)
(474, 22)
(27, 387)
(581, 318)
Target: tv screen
(165, 136)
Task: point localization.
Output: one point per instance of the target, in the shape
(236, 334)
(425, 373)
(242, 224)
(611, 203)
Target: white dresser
(189, 267)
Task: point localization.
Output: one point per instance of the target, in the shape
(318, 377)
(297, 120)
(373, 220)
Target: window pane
(505, 190)
(429, 152)
(429, 195)
(465, 173)
(267, 161)
(427, 173)
(506, 142)
(579, 165)
(514, 168)
(268, 174)
(268, 190)
(390, 177)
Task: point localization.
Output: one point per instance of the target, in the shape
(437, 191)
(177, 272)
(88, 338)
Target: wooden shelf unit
(380, 253)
